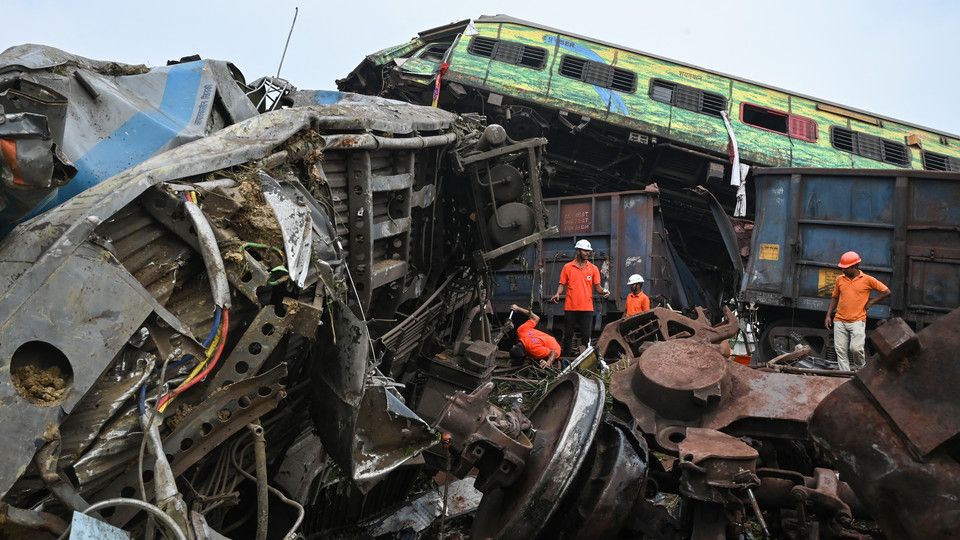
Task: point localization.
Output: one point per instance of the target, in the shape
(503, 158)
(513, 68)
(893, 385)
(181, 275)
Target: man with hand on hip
(851, 300)
(580, 278)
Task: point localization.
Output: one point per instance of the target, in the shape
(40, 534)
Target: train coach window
(435, 52)
(768, 119)
(797, 127)
(870, 146)
(687, 97)
(508, 52)
(803, 128)
(939, 162)
(598, 74)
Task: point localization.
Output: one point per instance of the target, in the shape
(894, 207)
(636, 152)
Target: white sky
(898, 59)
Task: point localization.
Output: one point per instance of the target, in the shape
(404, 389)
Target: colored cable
(196, 370)
(206, 342)
(206, 366)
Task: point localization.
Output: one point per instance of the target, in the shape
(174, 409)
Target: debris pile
(280, 318)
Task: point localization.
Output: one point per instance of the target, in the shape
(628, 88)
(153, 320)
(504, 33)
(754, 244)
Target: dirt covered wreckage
(281, 326)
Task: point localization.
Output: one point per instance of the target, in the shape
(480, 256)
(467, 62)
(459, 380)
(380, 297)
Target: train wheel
(781, 337)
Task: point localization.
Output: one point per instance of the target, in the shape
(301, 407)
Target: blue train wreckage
(244, 310)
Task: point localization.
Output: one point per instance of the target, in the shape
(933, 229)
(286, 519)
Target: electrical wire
(143, 441)
(203, 368)
(206, 342)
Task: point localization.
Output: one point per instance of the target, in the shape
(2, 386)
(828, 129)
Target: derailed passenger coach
(620, 119)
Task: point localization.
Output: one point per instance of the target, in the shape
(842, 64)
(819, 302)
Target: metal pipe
(216, 272)
(812, 371)
(366, 141)
(32, 519)
(292, 533)
(216, 183)
(795, 354)
(46, 461)
(167, 495)
(758, 513)
(260, 457)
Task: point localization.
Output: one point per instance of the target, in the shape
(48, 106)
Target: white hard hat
(583, 244)
(634, 279)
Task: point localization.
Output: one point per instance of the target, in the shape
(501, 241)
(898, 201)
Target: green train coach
(615, 116)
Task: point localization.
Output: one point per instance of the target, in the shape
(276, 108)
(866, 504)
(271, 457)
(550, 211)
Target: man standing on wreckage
(580, 278)
(847, 313)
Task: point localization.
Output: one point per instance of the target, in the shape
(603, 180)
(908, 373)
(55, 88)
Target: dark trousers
(576, 321)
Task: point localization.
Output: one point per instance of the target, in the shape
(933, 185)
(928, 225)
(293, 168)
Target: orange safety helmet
(849, 259)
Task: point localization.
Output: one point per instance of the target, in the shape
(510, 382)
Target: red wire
(206, 371)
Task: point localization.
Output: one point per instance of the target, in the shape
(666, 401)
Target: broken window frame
(793, 123)
(589, 68)
(870, 146)
(425, 52)
(690, 94)
(497, 45)
(949, 164)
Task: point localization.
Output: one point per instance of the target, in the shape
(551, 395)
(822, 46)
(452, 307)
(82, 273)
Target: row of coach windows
(708, 103)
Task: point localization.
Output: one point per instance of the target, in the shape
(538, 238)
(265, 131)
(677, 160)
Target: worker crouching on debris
(637, 300)
(534, 343)
(580, 277)
(851, 300)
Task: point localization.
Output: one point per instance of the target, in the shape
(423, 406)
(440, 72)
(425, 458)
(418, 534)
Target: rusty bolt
(894, 341)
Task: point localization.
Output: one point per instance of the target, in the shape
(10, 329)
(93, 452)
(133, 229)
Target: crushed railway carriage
(277, 238)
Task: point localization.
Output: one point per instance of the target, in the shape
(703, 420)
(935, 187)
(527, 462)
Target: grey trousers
(848, 338)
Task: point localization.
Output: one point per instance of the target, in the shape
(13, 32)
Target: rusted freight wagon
(904, 224)
(628, 235)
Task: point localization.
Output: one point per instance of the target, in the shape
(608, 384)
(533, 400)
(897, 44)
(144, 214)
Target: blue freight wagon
(628, 236)
(904, 224)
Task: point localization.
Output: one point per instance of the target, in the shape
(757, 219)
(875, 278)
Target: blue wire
(143, 399)
(217, 316)
(206, 342)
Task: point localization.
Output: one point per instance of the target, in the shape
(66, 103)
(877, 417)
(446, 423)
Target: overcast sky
(898, 59)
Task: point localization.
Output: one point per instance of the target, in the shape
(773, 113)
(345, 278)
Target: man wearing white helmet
(581, 278)
(637, 300)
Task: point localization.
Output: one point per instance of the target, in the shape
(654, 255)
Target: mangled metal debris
(278, 319)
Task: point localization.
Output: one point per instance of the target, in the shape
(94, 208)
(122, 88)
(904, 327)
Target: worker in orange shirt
(851, 300)
(540, 346)
(637, 300)
(581, 278)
